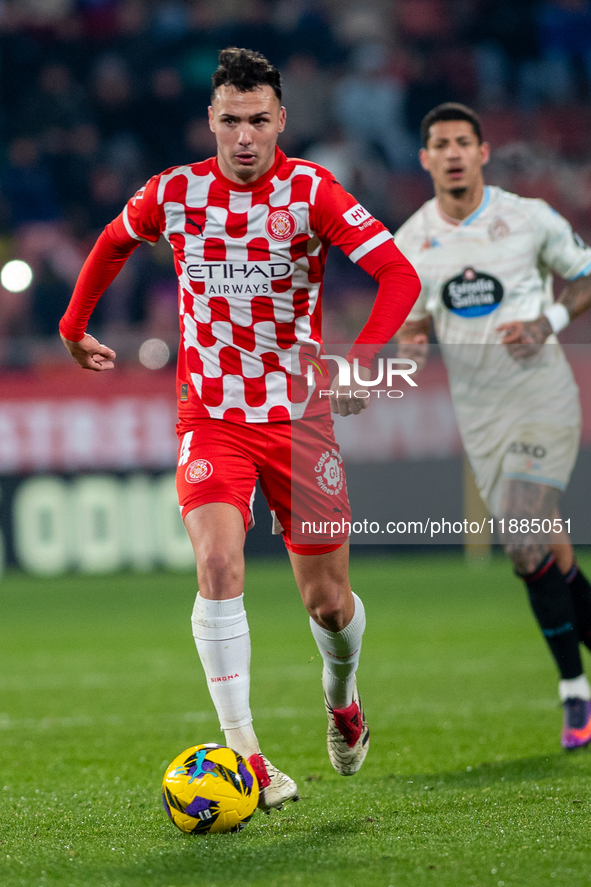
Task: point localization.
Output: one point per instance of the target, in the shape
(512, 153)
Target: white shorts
(541, 454)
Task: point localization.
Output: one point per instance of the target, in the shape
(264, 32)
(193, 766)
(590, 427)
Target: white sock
(340, 652)
(220, 629)
(575, 688)
(243, 740)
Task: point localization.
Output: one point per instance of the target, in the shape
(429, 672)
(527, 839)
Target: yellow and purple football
(210, 788)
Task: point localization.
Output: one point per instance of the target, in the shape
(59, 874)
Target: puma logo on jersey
(196, 225)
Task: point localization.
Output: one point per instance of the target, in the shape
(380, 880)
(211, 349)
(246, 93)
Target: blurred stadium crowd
(97, 95)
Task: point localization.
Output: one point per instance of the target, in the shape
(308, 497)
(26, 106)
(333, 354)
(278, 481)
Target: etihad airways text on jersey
(217, 271)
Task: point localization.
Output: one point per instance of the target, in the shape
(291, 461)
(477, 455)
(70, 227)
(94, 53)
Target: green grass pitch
(465, 783)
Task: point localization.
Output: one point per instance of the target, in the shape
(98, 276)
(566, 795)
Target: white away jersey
(250, 262)
(491, 268)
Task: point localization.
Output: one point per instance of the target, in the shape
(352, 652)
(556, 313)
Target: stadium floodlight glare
(154, 354)
(16, 276)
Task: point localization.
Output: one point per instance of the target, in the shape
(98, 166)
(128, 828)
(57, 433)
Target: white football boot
(347, 737)
(275, 787)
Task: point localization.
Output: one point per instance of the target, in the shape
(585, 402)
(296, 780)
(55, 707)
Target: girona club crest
(198, 470)
(281, 225)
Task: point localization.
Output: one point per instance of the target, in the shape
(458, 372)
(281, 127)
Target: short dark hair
(450, 111)
(245, 70)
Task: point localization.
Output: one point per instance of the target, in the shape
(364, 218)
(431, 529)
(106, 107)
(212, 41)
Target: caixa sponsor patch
(472, 293)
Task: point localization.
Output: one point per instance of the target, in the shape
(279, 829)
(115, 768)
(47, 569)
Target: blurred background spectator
(98, 95)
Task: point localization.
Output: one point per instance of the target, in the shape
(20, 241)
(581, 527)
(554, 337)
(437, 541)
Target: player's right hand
(343, 400)
(90, 354)
(414, 348)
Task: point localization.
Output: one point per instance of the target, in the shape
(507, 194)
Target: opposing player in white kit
(485, 258)
(250, 230)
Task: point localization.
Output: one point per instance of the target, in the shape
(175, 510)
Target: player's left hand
(343, 400)
(524, 338)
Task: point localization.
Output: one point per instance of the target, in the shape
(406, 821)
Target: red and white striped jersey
(250, 261)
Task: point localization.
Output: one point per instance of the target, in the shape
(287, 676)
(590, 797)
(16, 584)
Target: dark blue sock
(580, 591)
(551, 600)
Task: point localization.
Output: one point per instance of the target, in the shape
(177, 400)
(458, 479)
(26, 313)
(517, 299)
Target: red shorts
(299, 467)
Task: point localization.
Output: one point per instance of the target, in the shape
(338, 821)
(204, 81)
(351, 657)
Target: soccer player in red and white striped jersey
(250, 230)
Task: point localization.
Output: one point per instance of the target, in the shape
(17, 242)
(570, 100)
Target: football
(210, 788)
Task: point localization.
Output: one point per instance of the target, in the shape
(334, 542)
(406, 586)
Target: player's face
(454, 157)
(246, 126)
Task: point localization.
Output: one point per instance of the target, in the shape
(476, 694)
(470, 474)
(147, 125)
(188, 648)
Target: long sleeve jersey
(250, 263)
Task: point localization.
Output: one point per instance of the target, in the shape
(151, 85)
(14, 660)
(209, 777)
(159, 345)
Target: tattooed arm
(524, 338)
